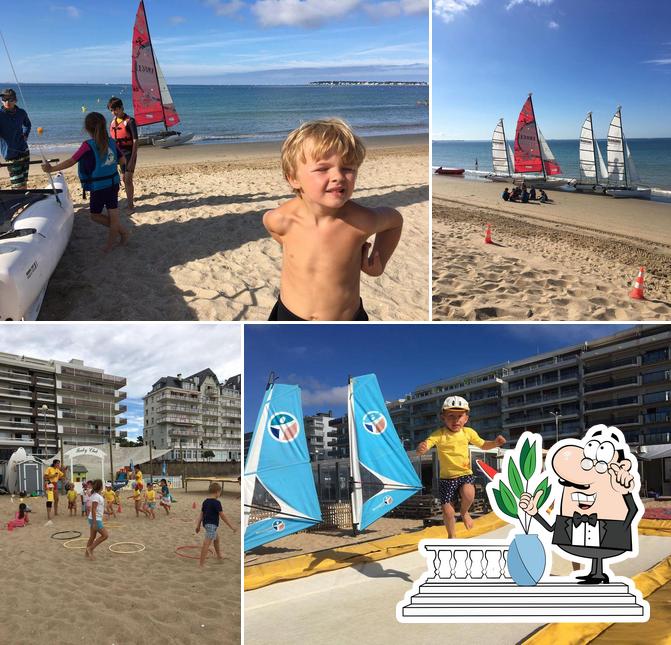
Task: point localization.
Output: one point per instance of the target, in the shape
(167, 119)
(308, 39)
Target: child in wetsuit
(97, 158)
(323, 233)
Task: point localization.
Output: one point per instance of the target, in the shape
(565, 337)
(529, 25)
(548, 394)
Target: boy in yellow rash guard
(456, 475)
(110, 498)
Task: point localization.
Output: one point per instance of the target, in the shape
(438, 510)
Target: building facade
(45, 403)
(317, 435)
(197, 418)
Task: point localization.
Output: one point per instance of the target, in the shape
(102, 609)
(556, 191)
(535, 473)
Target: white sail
(617, 169)
(548, 158)
(632, 173)
(166, 98)
(501, 161)
(588, 171)
(601, 165)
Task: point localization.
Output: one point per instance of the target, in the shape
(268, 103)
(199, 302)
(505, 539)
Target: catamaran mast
(624, 146)
(538, 138)
(594, 150)
(158, 82)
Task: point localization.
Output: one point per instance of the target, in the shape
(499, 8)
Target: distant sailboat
(502, 156)
(622, 174)
(533, 154)
(382, 475)
(278, 475)
(152, 102)
(593, 173)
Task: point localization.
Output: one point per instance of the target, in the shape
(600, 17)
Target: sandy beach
(55, 594)
(198, 248)
(574, 259)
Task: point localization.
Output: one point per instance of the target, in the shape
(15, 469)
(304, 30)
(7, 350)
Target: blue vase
(526, 559)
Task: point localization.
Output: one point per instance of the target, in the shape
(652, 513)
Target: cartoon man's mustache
(566, 483)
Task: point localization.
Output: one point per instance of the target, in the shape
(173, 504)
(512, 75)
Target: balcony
(173, 418)
(626, 401)
(185, 432)
(16, 377)
(610, 366)
(15, 392)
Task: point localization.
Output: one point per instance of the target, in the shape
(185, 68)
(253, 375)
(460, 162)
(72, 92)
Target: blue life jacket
(105, 173)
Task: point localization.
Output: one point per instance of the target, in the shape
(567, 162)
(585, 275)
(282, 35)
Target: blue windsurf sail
(382, 475)
(278, 475)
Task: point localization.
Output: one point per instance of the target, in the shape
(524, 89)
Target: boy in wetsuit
(123, 130)
(14, 131)
(322, 232)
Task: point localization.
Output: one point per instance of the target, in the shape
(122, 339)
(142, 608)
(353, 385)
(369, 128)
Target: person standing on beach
(14, 131)
(97, 165)
(51, 476)
(95, 519)
(210, 513)
(123, 130)
(456, 474)
(323, 233)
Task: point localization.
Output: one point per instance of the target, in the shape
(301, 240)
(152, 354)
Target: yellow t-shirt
(109, 495)
(452, 449)
(53, 474)
(136, 494)
(72, 495)
(138, 476)
(151, 495)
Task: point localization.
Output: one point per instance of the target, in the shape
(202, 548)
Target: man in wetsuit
(123, 130)
(14, 130)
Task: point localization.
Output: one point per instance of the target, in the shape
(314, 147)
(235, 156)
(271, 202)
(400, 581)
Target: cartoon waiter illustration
(599, 500)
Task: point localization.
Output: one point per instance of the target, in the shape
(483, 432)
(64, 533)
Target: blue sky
(220, 41)
(319, 358)
(574, 55)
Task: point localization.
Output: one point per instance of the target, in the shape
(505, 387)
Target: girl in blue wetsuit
(97, 158)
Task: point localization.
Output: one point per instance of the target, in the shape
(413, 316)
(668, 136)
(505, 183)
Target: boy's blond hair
(214, 487)
(321, 137)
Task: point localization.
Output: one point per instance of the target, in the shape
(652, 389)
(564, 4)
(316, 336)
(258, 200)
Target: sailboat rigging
(593, 174)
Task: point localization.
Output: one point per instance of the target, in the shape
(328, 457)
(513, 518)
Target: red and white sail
(152, 102)
(532, 153)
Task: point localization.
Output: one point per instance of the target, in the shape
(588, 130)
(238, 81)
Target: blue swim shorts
(449, 488)
(210, 531)
(99, 524)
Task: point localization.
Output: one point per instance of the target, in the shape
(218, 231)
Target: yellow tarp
(656, 630)
(300, 566)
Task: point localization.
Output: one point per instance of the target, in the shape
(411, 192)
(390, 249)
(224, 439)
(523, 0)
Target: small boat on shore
(593, 173)
(35, 228)
(449, 171)
(502, 156)
(173, 140)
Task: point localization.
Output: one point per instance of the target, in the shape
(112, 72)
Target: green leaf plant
(508, 494)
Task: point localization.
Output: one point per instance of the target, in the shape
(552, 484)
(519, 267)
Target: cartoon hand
(371, 265)
(621, 479)
(528, 504)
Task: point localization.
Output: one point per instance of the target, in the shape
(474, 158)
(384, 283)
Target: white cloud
(538, 3)
(177, 20)
(223, 8)
(394, 8)
(300, 13)
(553, 25)
(449, 9)
(327, 397)
(660, 61)
(69, 9)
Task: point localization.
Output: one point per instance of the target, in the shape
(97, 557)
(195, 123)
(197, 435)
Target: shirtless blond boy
(324, 233)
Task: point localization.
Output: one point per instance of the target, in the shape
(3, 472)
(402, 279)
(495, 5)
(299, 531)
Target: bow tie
(579, 518)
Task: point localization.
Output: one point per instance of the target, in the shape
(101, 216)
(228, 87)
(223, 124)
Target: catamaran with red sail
(152, 102)
(533, 154)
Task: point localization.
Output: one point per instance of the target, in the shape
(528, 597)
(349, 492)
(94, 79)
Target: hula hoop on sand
(65, 544)
(68, 537)
(132, 551)
(210, 552)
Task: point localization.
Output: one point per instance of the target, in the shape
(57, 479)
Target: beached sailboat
(622, 174)
(152, 102)
(381, 474)
(278, 476)
(593, 173)
(502, 156)
(533, 154)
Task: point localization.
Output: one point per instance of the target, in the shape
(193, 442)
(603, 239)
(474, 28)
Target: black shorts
(280, 312)
(127, 154)
(50, 504)
(449, 488)
(104, 198)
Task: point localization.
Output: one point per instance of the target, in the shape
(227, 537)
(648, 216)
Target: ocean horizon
(652, 157)
(231, 113)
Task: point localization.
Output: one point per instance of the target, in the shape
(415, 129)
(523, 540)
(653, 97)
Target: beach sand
(53, 594)
(199, 251)
(574, 259)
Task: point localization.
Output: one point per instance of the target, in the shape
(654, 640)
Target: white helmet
(456, 403)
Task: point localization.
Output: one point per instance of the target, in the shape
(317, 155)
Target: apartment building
(317, 435)
(194, 417)
(45, 403)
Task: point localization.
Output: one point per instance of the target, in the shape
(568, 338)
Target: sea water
(234, 113)
(651, 156)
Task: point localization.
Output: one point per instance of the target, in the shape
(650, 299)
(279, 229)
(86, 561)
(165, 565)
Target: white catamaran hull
(597, 189)
(636, 193)
(174, 140)
(27, 261)
(541, 182)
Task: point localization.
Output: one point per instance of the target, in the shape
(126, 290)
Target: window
(657, 397)
(657, 376)
(656, 355)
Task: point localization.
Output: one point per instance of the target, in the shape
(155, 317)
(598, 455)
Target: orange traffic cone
(118, 507)
(194, 505)
(637, 291)
(488, 235)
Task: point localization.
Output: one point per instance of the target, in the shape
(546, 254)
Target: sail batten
(152, 102)
(377, 458)
(278, 460)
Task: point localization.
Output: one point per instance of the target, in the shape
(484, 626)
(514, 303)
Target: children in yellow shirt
(72, 499)
(50, 499)
(110, 498)
(137, 499)
(150, 501)
(456, 475)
